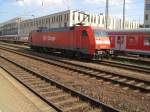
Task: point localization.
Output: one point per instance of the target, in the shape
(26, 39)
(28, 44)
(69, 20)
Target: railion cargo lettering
(49, 38)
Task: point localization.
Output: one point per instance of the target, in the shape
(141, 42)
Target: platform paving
(14, 97)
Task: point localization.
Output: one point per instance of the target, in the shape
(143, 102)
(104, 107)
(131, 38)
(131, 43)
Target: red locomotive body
(131, 41)
(78, 40)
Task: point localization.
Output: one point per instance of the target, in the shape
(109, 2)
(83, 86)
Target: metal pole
(34, 27)
(124, 8)
(106, 14)
(18, 27)
(42, 3)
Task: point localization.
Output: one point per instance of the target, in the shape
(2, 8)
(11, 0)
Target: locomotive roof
(140, 30)
(44, 29)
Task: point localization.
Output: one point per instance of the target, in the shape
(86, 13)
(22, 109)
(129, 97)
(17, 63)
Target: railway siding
(77, 83)
(54, 88)
(99, 74)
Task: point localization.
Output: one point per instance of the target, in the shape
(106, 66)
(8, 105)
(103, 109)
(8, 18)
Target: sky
(27, 8)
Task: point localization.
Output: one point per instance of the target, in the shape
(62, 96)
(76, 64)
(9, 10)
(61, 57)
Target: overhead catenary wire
(106, 14)
(123, 23)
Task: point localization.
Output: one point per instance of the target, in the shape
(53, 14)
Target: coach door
(120, 42)
(77, 39)
(81, 41)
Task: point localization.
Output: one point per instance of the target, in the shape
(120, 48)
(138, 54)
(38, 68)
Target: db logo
(44, 38)
(49, 38)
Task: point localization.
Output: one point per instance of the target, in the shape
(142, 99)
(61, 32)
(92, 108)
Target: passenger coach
(136, 41)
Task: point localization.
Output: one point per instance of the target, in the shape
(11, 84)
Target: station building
(147, 14)
(66, 19)
(10, 27)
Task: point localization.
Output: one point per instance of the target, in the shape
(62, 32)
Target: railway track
(57, 95)
(115, 64)
(133, 60)
(142, 85)
(125, 66)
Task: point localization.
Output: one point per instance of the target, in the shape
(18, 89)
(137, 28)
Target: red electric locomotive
(135, 41)
(83, 41)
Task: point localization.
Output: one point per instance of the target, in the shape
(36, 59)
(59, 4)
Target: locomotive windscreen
(100, 33)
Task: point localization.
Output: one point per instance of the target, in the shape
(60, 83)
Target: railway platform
(14, 97)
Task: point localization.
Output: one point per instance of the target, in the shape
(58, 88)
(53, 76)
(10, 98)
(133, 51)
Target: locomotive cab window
(84, 33)
(100, 33)
(146, 41)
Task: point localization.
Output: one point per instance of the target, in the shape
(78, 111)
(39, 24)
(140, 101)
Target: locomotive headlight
(100, 52)
(111, 52)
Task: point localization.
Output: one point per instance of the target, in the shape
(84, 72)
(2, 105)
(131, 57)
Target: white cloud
(94, 1)
(112, 2)
(44, 3)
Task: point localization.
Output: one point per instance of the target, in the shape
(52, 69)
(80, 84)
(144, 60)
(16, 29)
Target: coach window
(147, 41)
(133, 41)
(84, 33)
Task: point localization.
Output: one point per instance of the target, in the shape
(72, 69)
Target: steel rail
(95, 72)
(124, 66)
(93, 102)
(114, 64)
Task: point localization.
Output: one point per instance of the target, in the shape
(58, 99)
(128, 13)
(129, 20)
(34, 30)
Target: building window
(103, 21)
(147, 26)
(57, 18)
(146, 16)
(94, 19)
(49, 20)
(39, 22)
(54, 19)
(46, 20)
(61, 17)
(78, 16)
(89, 18)
(67, 16)
(99, 20)
(73, 16)
(65, 24)
(146, 41)
(147, 7)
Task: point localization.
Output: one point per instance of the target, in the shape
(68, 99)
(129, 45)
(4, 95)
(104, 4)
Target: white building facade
(70, 18)
(147, 14)
(10, 27)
